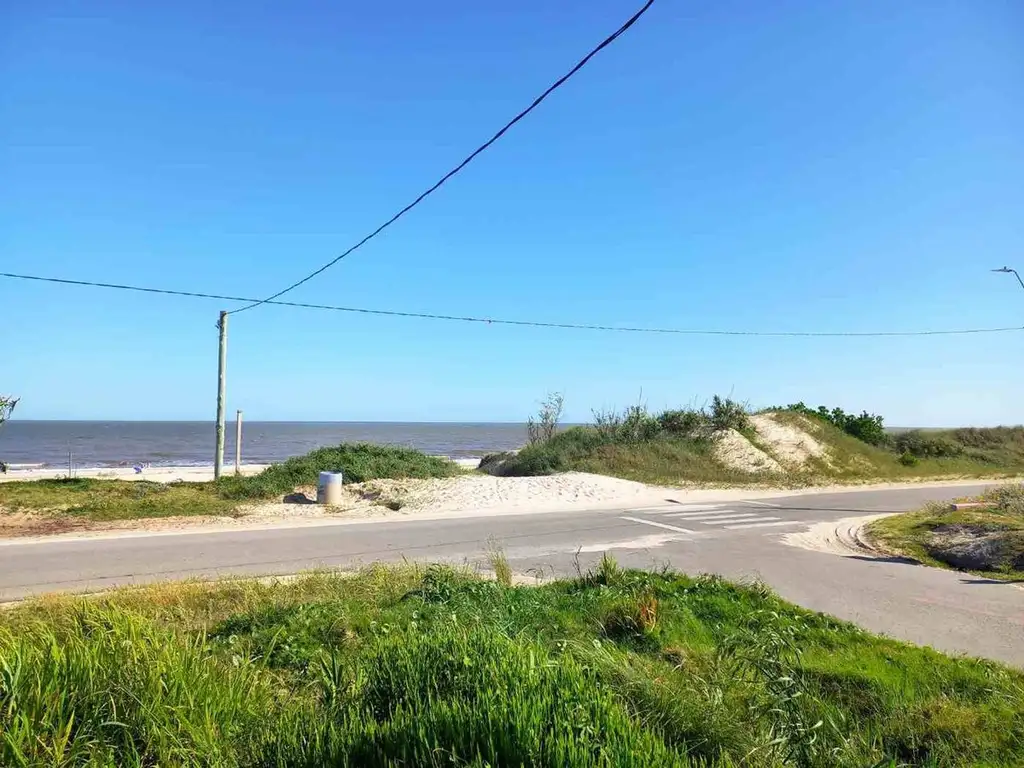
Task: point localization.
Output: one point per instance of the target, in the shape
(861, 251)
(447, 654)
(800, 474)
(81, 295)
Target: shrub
(633, 425)
(907, 459)
(358, 462)
(7, 405)
(554, 455)
(544, 426)
(728, 414)
(924, 446)
(867, 427)
(638, 426)
(691, 423)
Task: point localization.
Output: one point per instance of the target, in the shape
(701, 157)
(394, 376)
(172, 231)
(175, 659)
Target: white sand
(156, 474)
(791, 446)
(736, 452)
(838, 537)
(153, 474)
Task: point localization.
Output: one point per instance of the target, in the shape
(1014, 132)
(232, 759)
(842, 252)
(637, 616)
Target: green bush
(867, 427)
(925, 446)
(907, 459)
(728, 414)
(638, 426)
(554, 455)
(613, 433)
(689, 423)
(358, 462)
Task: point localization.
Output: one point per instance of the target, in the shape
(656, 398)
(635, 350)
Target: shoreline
(171, 474)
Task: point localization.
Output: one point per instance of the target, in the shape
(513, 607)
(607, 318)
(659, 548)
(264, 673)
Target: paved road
(950, 611)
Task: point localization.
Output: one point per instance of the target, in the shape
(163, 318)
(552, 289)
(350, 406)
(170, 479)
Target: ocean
(191, 443)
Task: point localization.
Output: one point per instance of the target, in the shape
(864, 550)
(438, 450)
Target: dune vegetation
(725, 443)
(437, 667)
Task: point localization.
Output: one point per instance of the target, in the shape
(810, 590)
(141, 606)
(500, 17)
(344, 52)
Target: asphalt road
(947, 610)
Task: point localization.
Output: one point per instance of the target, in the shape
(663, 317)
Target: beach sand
(153, 474)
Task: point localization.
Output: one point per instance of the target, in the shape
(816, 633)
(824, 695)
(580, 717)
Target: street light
(1014, 271)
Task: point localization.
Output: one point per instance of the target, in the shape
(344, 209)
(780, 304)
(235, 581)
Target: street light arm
(1015, 274)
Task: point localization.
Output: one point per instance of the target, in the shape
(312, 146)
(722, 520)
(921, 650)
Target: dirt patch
(736, 452)
(976, 547)
(792, 447)
(24, 524)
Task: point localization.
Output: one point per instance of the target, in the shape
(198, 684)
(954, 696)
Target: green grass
(432, 667)
(851, 459)
(919, 534)
(359, 462)
(644, 450)
(113, 499)
(664, 459)
(104, 500)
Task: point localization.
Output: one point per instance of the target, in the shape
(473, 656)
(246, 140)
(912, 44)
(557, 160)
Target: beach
(190, 474)
(121, 445)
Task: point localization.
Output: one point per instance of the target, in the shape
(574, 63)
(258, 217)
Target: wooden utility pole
(222, 360)
(238, 442)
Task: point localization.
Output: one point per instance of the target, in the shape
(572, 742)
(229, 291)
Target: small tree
(544, 425)
(7, 404)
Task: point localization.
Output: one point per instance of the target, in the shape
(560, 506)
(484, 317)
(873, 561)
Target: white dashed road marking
(769, 525)
(763, 504)
(678, 508)
(657, 525)
(727, 515)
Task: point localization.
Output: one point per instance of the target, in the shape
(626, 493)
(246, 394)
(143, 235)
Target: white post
(238, 442)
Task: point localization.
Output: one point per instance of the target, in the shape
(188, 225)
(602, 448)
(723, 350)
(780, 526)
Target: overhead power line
(536, 102)
(499, 321)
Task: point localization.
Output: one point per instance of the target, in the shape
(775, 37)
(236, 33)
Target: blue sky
(733, 165)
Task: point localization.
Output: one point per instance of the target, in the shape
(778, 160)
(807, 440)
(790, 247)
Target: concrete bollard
(328, 489)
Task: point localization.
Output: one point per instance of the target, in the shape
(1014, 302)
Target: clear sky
(734, 165)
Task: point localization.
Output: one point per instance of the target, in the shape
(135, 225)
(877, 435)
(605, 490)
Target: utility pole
(238, 442)
(222, 361)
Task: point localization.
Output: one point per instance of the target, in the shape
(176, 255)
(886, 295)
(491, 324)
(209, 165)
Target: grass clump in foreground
(987, 539)
(412, 667)
(98, 499)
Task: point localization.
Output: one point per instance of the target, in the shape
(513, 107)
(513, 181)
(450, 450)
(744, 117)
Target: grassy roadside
(106, 500)
(435, 667)
(987, 540)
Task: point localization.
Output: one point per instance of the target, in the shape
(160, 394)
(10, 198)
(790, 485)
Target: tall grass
(400, 667)
(679, 437)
